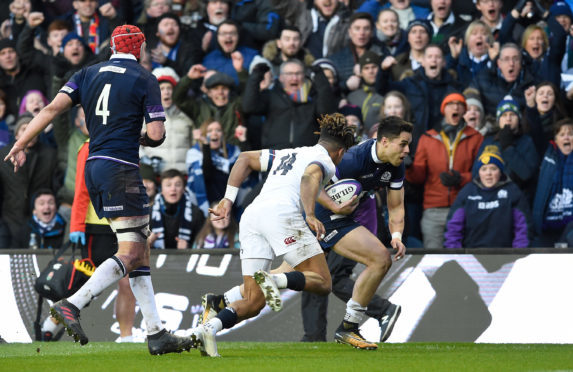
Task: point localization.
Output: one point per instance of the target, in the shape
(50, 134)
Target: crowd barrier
(485, 295)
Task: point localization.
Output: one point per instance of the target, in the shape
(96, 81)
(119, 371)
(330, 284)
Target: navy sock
(228, 317)
(295, 280)
(140, 271)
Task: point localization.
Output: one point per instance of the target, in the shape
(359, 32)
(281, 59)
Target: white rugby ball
(343, 190)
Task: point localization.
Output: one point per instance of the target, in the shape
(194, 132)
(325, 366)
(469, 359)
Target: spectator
(470, 59)
(171, 50)
(515, 146)
(258, 22)
(490, 211)
(425, 90)
(353, 116)
(46, 224)
(287, 46)
(331, 74)
(149, 180)
(552, 207)
(361, 34)
(291, 106)
(219, 102)
(5, 121)
(475, 114)
(18, 188)
(396, 104)
(178, 126)
(147, 21)
(11, 27)
(389, 35)
(33, 102)
(419, 35)
(216, 11)
(563, 15)
(507, 78)
(323, 27)
(491, 15)
(230, 57)
(444, 22)
(366, 96)
(444, 172)
(175, 218)
(57, 30)
(544, 108)
(407, 12)
(220, 233)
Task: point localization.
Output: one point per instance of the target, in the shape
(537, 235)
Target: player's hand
(347, 207)
(316, 226)
(222, 210)
(78, 236)
(399, 247)
(17, 157)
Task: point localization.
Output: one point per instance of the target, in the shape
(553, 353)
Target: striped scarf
(93, 37)
(184, 213)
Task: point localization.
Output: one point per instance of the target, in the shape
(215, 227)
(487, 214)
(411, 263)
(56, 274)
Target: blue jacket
(217, 60)
(465, 68)
(488, 217)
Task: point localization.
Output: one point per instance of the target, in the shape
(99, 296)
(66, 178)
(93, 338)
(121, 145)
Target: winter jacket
(259, 22)
(344, 61)
(369, 102)
(464, 66)
(218, 60)
(335, 34)
(289, 123)
(433, 157)
(45, 238)
(488, 217)
(373, 7)
(272, 53)
(178, 139)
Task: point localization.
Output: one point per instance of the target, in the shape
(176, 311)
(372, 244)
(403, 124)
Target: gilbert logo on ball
(343, 190)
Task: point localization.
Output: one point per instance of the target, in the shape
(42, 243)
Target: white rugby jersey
(281, 192)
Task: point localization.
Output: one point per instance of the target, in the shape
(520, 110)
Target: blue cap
(507, 104)
(561, 8)
(71, 36)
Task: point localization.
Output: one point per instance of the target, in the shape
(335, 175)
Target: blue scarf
(560, 208)
(184, 213)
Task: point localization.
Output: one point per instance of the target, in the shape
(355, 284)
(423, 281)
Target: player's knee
(381, 260)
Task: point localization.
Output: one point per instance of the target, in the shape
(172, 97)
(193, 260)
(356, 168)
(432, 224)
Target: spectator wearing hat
(178, 127)
(407, 12)
(366, 96)
(564, 16)
(258, 21)
(515, 146)
(18, 188)
(552, 206)
(291, 107)
(324, 27)
(425, 90)
(475, 114)
(388, 35)
(220, 102)
(171, 49)
(490, 211)
(287, 46)
(445, 23)
(472, 54)
(419, 34)
(361, 37)
(442, 171)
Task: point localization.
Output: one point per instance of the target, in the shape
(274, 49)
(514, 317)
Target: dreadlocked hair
(333, 129)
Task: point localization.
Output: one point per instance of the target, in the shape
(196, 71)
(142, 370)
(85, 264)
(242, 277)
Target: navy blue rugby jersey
(361, 163)
(117, 95)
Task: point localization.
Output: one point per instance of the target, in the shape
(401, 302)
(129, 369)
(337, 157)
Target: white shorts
(266, 235)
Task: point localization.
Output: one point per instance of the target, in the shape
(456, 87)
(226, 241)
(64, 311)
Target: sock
(354, 312)
(232, 295)
(126, 339)
(295, 280)
(106, 274)
(280, 280)
(140, 281)
(228, 318)
(49, 325)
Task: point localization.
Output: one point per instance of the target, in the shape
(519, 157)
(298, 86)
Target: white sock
(233, 295)
(126, 339)
(280, 280)
(143, 291)
(104, 275)
(214, 324)
(354, 312)
(49, 325)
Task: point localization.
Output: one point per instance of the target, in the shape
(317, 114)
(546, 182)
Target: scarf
(404, 16)
(560, 208)
(183, 212)
(93, 36)
(302, 94)
(56, 227)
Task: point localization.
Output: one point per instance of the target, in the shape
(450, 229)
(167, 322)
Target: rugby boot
(270, 290)
(212, 304)
(164, 342)
(348, 333)
(69, 315)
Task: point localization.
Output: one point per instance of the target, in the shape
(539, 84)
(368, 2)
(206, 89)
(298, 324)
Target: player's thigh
(362, 246)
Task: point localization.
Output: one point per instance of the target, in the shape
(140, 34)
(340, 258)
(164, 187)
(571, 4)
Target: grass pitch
(253, 356)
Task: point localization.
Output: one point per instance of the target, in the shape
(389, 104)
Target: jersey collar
(374, 155)
(123, 56)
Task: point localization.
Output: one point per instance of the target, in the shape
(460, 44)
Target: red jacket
(434, 157)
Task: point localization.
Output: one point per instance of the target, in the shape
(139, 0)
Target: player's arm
(395, 203)
(61, 103)
(344, 208)
(248, 161)
(309, 187)
(154, 135)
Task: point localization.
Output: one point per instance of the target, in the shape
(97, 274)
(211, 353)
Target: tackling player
(116, 96)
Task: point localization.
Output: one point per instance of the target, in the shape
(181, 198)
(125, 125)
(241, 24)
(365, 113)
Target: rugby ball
(343, 190)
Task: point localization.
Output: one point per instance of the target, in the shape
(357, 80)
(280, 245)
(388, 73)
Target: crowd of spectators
(488, 85)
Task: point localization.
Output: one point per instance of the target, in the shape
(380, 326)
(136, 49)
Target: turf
(251, 356)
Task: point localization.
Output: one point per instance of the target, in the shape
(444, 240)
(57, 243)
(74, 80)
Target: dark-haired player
(116, 96)
(273, 224)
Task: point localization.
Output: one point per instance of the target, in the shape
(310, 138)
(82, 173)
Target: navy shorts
(116, 189)
(335, 230)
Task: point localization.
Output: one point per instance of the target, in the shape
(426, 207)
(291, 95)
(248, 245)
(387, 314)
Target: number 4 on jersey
(102, 101)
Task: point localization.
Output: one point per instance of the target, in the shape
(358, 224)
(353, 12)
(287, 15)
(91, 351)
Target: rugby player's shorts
(336, 227)
(266, 234)
(116, 189)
